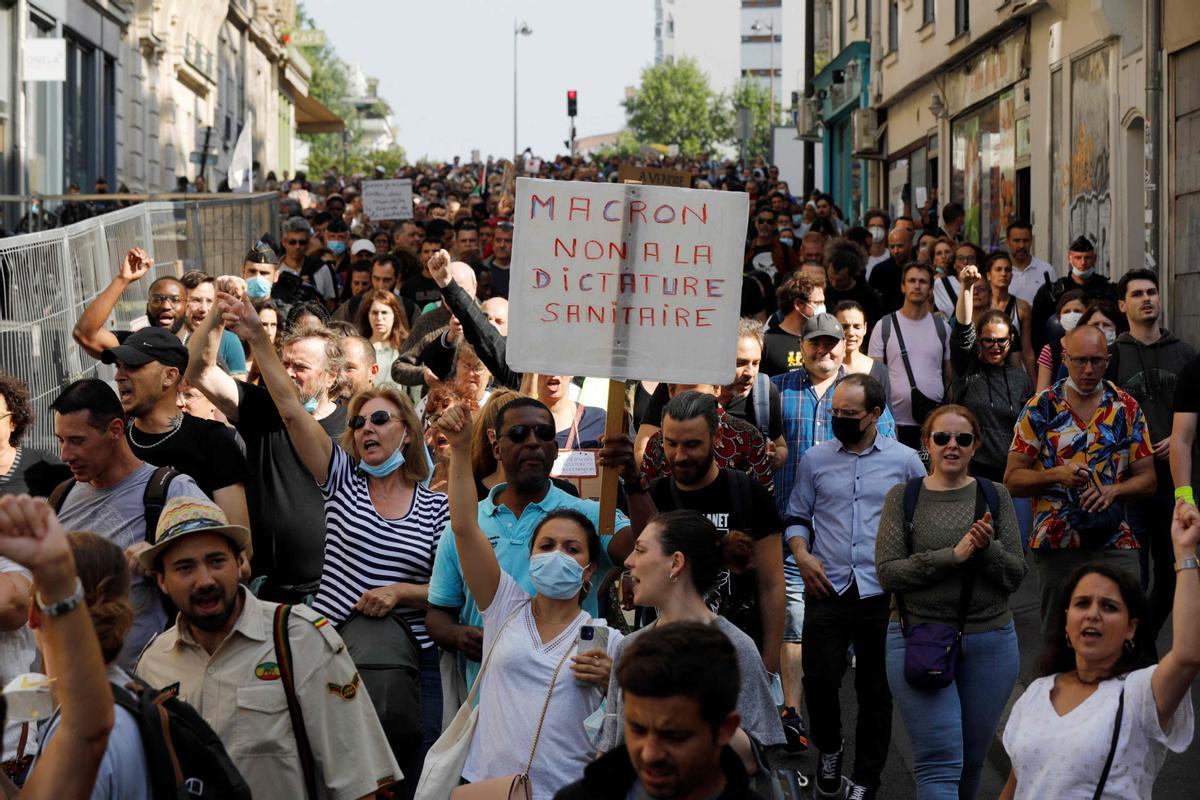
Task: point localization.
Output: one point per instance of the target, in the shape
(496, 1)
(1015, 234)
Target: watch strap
(66, 605)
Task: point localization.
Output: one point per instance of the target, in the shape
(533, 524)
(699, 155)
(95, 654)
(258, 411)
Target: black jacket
(885, 280)
(611, 776)
(1150, 373)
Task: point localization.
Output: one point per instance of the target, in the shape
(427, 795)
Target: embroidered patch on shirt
(345, 691)
(267, 671)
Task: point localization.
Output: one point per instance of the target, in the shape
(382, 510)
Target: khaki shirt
(238, 692)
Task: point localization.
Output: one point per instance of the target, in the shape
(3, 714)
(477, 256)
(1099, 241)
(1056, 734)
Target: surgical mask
(1110, 337)
(336, 247)
(394, 462)
(555, 575)
(786, 242)
(818, 309)
(258, 287)
(877, 233)
(310, 405)
(1075, 387)
(847, 431)
(1069, 320)
(1087, 273)
(797, 219)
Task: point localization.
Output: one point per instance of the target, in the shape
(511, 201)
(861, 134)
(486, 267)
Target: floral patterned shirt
(1049, 432)
(739, 445)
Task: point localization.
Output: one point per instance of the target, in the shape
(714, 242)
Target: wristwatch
(1187, 563)
(637, 485)
(64, 606)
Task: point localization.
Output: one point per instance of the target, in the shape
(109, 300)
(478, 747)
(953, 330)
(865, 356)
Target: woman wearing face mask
(676, 561)
(382, 525)
(1096, 680)
(1103, 314)
(529, 643)
(1049, 362)
(382, 320)
(955, 566)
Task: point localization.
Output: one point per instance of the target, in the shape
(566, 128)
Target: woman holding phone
(537, 684)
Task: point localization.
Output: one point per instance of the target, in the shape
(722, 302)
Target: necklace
(176, 426)
(1094, 682)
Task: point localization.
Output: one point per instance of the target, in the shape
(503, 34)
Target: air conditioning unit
(808, 120)
(864, 125)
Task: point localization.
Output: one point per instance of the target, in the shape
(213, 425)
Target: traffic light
(571, 102)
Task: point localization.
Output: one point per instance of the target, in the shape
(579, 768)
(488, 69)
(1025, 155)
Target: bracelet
(64, 606)
(638, 486)
(1187, 563)
(1185, 493)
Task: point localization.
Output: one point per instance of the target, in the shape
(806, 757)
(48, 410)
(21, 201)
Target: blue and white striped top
(364, 550)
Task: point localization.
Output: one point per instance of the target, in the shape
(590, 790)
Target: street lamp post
(769, 26)
(518, 31)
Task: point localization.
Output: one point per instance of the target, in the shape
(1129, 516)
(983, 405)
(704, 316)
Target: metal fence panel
(48, 278)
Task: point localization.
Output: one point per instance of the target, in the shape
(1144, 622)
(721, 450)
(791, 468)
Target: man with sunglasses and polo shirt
(524, 444)
(1080, 474)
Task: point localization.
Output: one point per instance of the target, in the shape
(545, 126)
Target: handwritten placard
(388, 199)
(655, 176)
(626, 281)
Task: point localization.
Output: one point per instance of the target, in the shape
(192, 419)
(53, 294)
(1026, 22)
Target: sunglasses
(942, 438)
(296, 241)
(377, 418)
(989, 341)
(519, 433)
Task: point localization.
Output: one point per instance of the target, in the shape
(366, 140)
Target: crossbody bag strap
(283, 655)
(488, 656)
(968, 581)
(912, 381)
(1112, 748)
(545, 705)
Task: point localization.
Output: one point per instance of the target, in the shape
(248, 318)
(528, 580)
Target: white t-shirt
(514, 690)
(1063, 756)
(942, 300)
(1026, 282)
(926, 354)
(18, 652)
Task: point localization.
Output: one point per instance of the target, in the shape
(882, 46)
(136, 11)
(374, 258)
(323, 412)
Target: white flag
(241, 166)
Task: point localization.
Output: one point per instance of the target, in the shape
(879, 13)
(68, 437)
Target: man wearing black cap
(150, 364)
(1083, 276)
(164, 305)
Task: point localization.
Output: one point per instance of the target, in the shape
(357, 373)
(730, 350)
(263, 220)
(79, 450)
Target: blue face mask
(336, 247)
(394, 462)
(310, 405)
(258, 287)
(555, 575)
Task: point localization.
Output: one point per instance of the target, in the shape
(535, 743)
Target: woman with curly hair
(22, 470)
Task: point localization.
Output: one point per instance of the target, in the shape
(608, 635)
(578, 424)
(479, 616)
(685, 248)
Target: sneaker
(856, 791)
(830, 785)
(793, 729)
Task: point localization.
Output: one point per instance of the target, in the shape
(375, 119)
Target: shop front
(841, 89)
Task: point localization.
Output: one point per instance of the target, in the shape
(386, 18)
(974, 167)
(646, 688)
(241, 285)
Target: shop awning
(313, 117)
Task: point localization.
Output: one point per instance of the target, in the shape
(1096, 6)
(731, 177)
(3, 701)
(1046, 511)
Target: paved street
(1179, 778)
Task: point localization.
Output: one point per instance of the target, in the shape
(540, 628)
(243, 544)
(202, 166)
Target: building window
(927, 11)
(670, 25)
(893, 25)
(79, 115)
(962, 16)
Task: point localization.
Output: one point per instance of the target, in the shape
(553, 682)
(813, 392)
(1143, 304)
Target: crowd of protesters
(319, 509)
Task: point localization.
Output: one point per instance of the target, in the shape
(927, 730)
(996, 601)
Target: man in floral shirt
(1080, 448)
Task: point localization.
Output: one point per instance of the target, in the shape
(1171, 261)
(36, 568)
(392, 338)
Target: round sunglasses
(377, 418)
(942, 438)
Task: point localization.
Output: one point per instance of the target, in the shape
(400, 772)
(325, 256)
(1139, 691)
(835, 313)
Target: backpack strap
(155, 497)
(59, 495)
(949, 287)
(283, 656)
(885, 330)
(940, 325)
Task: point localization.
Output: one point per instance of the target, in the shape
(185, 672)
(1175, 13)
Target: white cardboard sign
(626, 281)
(388, 199)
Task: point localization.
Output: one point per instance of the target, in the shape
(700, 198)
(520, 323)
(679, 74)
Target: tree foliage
(675, 105)
(753, 95)
(328, 85)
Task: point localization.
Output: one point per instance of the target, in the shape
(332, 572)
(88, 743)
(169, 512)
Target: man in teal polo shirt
(525, 444)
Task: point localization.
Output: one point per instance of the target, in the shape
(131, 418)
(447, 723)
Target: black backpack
(185, 756)
(153, 498)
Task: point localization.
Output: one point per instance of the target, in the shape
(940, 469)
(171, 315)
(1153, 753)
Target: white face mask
(877, 233)
(1110, 337)
(818, 309)
(1070, 382)
(1069, 320)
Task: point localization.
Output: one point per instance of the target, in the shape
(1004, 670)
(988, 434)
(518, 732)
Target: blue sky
(445, 66)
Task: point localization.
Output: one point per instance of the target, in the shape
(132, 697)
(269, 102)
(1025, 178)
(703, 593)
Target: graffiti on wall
(1090, 202)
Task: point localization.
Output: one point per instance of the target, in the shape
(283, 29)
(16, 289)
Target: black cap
(1082, 244)
(822, 325)
(146, 345)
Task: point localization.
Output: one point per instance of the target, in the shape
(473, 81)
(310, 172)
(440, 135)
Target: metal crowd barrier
(47, 278)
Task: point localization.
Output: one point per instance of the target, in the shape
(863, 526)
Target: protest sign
(388, 199)
(626, 281)
(654, 176)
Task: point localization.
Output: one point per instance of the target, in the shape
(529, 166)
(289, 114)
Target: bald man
(496, 309)
(887, 276)
(1062, 457)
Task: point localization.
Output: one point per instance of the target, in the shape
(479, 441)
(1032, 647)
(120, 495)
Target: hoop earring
(1067, 636)
(674, 579)
(587, 586)
(1130, 646)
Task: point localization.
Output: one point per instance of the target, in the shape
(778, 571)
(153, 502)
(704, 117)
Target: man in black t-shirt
(752, 594)
(287, 510)
(150, 364)
(800, 299)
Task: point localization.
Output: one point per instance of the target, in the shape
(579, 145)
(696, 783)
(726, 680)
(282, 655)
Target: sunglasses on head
(377, 418)
(519, 433)
(942, 438)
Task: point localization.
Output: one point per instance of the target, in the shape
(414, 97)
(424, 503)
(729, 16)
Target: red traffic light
(572, 104)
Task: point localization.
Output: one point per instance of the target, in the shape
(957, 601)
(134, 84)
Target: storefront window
(1090, 203)
(982, 170)
(898, 190)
